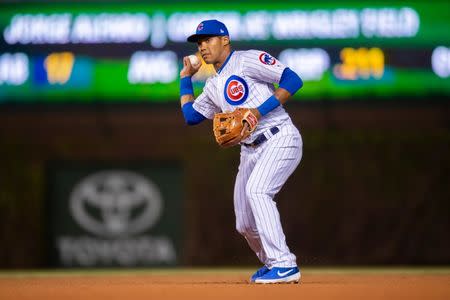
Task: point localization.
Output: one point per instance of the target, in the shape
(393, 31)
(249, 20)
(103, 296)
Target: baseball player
(271, 146)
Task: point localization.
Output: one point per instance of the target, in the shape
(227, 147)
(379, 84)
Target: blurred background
(98, 169)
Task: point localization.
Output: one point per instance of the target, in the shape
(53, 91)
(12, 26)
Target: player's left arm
(262, 66)
(289, 84)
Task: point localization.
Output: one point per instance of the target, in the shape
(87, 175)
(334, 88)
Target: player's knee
(254, 191)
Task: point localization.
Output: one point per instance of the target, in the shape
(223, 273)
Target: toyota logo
(115, 203)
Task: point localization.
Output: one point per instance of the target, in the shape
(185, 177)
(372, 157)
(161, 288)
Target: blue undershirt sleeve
(290, 81)
(268, 105)
(191, 116)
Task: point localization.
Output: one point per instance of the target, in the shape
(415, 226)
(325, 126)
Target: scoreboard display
(132, 52)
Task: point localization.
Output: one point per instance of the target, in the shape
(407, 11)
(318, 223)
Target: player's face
(213, 48)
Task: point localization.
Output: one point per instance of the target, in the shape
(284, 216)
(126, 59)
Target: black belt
(262, 138)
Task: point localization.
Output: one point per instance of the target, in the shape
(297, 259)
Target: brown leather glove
(232, 127)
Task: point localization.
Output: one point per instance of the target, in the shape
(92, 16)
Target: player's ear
(225, 40)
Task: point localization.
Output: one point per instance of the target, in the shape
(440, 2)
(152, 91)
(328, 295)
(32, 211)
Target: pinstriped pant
(262, 172)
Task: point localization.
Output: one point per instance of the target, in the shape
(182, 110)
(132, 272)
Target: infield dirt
(228, 286)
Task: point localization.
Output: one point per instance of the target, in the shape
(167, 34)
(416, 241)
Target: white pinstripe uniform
(246, 80)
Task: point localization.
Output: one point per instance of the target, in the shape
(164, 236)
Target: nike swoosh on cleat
(281, 274)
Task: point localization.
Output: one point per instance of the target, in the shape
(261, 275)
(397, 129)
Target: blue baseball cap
(208, 28)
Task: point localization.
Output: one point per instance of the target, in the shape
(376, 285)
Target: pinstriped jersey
(245, 80)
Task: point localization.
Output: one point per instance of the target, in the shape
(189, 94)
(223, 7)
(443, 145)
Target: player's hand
(245, 128)
(188, 68)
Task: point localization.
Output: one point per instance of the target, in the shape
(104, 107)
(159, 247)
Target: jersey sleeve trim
(290, 81)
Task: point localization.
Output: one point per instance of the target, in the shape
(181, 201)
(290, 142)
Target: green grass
(406, 270)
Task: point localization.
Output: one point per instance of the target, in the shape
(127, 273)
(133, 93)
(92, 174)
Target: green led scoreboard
(132, 52)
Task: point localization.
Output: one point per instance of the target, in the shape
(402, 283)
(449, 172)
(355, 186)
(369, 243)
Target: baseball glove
(232, 127)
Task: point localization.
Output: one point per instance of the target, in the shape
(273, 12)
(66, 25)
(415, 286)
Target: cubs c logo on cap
(200, 27)
(236, 90)
(267, 59)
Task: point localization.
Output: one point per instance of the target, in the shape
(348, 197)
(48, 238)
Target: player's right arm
(191, 116)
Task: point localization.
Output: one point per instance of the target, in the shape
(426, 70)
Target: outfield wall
(372, 187)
